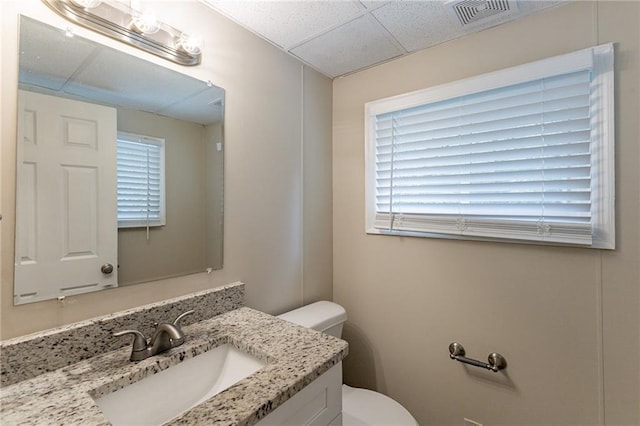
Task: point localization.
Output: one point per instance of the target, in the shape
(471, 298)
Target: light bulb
(87, 4)
(190, 43)
(145, 22)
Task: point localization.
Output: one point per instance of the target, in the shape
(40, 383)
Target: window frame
(142, 223)
(599, 59)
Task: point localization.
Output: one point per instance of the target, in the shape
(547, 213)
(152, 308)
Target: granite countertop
(295, 357)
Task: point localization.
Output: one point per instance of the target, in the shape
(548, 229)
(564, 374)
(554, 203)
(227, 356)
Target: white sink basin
(159, 398)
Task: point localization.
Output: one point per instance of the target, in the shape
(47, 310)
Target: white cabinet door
(66, 221)
(318, 404)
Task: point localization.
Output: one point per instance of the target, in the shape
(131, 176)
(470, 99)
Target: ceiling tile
(355, 45)
(338, 37)
(205, 107)
(133, 89)
(288, 23)
(372, 4)
(420, 24)
(527, 7)
(38, 66)
(417, 25)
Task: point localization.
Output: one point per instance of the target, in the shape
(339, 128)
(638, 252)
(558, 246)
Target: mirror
(78, 100)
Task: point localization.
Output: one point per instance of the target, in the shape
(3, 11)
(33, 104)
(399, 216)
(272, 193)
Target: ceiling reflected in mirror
(54, 63)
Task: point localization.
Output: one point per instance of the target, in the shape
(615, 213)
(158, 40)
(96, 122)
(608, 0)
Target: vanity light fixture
(190, 43)
(144, 22)
(87, 4)
(138, 28)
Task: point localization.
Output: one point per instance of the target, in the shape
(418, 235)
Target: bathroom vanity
(54, 378)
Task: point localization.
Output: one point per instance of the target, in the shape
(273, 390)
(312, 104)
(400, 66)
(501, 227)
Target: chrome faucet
(165, 337)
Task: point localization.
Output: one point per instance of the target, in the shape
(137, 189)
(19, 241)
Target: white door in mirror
(66, 198)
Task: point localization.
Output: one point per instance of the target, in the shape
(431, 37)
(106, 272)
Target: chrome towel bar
(496, 361)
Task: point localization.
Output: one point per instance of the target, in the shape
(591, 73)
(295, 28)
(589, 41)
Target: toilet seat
(365, 407)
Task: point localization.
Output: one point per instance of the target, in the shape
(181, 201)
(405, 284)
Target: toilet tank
(324, 316)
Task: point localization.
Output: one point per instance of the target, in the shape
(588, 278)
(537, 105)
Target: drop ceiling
(339, 37)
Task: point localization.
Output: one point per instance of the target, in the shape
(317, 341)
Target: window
(524, 153)
(140, 181)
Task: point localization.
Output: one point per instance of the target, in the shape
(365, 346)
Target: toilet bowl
(359, 406)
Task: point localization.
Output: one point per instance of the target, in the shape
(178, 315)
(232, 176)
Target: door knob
(107, 268)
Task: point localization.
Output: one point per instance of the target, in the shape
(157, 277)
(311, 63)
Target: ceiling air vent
(481, 12)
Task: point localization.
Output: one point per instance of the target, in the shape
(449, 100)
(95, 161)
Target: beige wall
(566, 319)
(179, 247)
(264, 147)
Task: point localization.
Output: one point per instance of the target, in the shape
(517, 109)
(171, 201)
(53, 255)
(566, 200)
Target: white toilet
(359, 406)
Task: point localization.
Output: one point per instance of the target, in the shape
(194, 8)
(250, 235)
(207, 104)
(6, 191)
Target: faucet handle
(176, 322)
(139, 340)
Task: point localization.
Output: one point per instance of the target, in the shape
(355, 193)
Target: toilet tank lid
(318, 316)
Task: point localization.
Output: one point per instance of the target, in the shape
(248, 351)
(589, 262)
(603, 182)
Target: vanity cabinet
(319, 403)
(301, 383)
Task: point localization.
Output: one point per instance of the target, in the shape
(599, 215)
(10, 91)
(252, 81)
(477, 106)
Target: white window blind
(521, 160)
(140, 181)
